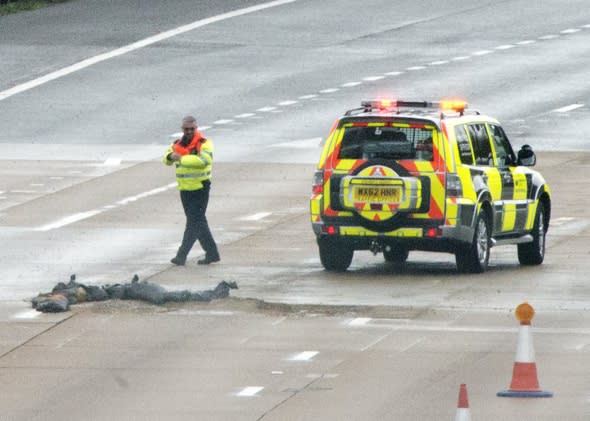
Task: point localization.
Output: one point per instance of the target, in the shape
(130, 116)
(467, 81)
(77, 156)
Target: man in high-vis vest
(192, 155)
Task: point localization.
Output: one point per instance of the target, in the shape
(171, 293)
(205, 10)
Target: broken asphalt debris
(63, 295)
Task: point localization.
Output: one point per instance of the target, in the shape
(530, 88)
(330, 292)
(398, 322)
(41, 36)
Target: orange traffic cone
(524, 374)
(463, 405)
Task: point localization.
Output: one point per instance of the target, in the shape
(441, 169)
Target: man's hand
(175, 156)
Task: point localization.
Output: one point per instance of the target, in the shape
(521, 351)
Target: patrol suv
(396, 176)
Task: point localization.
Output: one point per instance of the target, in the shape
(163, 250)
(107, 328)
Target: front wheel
(534, 253)
(475, 257)
(335, 256)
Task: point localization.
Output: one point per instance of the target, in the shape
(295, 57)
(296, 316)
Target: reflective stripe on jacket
(195, 164)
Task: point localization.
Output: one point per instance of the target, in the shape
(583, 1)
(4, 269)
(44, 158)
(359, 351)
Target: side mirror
(526, 156)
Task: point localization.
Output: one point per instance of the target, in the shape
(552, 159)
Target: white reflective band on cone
(525, 352)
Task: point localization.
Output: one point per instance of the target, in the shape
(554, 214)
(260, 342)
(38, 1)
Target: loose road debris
(63, 295)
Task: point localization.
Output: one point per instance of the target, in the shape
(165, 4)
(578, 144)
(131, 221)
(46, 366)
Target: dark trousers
(195, 206)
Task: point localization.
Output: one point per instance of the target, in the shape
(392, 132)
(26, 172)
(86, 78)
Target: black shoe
(207, 260)
(178, 261)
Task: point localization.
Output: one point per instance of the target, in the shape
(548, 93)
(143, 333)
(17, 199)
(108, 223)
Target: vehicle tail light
(433, 232)
(318, 183)
(329, 229)
(454, 187)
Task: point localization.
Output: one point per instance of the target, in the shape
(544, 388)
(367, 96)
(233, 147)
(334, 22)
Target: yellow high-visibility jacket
(195, 164)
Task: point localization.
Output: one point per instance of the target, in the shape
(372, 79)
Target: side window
(464, 146)
(481, 144)
(504, 153)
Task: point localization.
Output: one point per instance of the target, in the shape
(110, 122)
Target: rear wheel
(475, 257)
(335, 256)
(395, 254)
(534, 253)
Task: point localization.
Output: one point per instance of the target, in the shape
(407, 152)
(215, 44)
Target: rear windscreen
(393, 141)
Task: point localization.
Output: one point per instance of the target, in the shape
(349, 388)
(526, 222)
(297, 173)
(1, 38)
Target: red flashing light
(433, 232)
(329, 229)
(386, 103)
(318, 189)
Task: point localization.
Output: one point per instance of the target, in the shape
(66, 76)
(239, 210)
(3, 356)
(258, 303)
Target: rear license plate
(377, 194)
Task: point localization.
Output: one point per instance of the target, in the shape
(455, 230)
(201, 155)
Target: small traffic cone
(463, 405)
(524, 374)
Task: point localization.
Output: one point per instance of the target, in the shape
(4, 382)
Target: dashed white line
(24, 191)
(412, 68)
(313, 142)
(526, 42)
(550, 36)
(29, 314)
(266, 109)
(394, 73)
(359, 321)
(255, 217)
(304, 356)
(34, 185)
(350, 84)
(438, 62)
(68, 220)
(460, 58)
(310, 96)
(373, 78)
(505, 47)
(112, 162)
(568, 108)
(245, 115)
(137, 45)
(288, 102)
(482, 53)
(202, 128)
(223, 121)
(329, 90)
(570, 31)
(250, 391)
(586, 26)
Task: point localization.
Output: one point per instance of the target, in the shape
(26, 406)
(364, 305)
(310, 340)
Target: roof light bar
(388, 104)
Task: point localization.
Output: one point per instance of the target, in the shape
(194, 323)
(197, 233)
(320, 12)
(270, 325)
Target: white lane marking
(505, 47)
(202, 128)
(410, 345)
(68, 220)
(568, 108)
(245, 115)
(550, 36)
(579, 347)
(359, 321)
(177, 135)
(562, 220)
(412, 68)
(112, 162)
(314, 142)
(266, 109)
(438, 62)
(24, 191)
(137, 45)
(250, 391)
(310, 96)
(395, 73)
(223, 121)
(56, 178)
(586, 26)
(570, 31)
(34, 185)
(75, 172)
(29, 314)
(304, 356)
(288, 102)
(279, 320)
(373, 78)
(143, 195)
(526, 42)
(329, 90)
(85, 215)
(350, 84)
(460, 58)
(255, 217)
(482, 53)
(276, 372)
(375, 342)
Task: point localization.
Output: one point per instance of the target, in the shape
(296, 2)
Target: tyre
(474, 258)
(395, 254)
(534, 253)
(335, 257)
